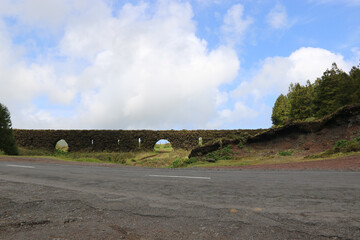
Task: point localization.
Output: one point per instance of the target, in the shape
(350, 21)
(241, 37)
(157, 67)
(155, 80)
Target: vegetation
(62, 146)
(286, 153)
(334, 89)
(165, 147)
(340, 147)
(281, 111)
(7, 140)
(224, 153)
(136, 158)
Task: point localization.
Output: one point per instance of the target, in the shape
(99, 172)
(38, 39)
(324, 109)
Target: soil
(349, 163)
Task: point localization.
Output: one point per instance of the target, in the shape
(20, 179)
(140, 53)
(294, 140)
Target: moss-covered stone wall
(120, 140)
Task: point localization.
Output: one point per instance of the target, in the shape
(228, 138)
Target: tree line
(333, 90)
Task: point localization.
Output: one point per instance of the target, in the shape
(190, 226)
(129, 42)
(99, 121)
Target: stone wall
(120, 140)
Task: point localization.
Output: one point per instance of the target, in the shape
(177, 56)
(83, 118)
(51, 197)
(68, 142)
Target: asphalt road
(55, 201)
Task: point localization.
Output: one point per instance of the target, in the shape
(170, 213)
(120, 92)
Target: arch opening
(139, 143)
(200, 141)
(163, 145)
(62, 146)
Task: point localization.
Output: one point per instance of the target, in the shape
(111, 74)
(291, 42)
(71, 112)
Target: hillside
(302, 138)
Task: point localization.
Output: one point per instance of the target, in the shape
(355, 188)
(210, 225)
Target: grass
(341, 147)
(166, 147)
(250, 160)
(157, 158)
(164, 156)
(286, 153)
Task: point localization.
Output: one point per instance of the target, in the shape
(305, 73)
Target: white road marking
(169, 176)
(20, 166)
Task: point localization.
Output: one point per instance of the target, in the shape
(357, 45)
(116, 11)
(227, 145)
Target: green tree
(301, 101)
(327, 94)
(281, 111)
(331, 91)
(7, 140)
(355, 84)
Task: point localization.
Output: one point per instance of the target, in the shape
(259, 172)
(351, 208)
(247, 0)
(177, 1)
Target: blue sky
(165, 64)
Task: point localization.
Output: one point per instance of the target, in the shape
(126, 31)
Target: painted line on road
(20, 166)
(169, 176)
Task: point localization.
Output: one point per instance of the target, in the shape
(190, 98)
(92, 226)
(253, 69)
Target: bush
(286, 153)
(177, 163)
(345, 146)
(190, 161)
(341, 143)
(221, 154)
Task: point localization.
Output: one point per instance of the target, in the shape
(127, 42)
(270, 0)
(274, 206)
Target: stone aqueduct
(120, 140)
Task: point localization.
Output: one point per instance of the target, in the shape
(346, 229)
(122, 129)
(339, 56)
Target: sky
(165, 64)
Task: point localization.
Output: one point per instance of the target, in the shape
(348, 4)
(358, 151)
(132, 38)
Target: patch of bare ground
(348, 163)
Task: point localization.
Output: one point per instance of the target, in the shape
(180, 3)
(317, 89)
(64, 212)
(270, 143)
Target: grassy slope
(274, 159)
(160, 157)
(165, 156)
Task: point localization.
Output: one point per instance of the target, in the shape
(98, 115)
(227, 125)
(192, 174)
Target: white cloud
(235, 24)
(273, 78)
(276, 73)
(240, 113)
(52, 14)
(277, 18)
(145, 68)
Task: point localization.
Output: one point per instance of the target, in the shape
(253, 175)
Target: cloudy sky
(165, 64)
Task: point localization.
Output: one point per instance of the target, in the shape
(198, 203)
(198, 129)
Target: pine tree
(281, 111)
(355, 84)
(333, 90)
(7, 140)
(301, 101)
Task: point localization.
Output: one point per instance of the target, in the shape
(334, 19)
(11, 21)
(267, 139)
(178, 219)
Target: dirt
(349, 163)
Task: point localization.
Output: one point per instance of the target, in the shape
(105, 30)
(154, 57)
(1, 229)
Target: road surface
(61, 201)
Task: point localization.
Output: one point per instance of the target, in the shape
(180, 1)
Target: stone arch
(62, 145)
(163, 145)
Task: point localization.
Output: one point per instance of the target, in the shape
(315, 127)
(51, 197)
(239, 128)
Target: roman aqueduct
(120, 140)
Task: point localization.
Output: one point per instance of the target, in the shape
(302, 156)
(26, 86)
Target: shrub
(191, 160)
(242, 139)
(177, 163)
(352, 146)
(285, 153)
(341, 143)
(224, 153)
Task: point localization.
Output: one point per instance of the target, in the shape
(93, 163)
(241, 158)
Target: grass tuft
(286, 153)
